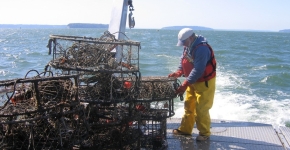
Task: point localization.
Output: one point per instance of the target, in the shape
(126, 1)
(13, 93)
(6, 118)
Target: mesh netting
(156, 88)
(93, 54)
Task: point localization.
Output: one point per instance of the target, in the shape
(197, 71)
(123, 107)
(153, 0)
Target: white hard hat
(183, 35)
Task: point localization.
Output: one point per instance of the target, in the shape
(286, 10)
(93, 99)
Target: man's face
(186, 42)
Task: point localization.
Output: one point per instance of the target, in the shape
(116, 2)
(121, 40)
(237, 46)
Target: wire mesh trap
(155, 97)
(39, 92)
(154, 88)
(153, 134)
(155, 109)
(41, 130)
(113, 114)
(108, 87)
(93, 54)
(112, 134)
(33, 111)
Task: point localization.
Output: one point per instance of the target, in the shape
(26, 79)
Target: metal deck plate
(285, 131)
(226, 135)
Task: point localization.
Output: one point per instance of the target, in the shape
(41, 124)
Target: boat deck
(231, 135)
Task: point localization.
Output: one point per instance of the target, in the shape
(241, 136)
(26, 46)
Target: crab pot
(122, 135)
(107, 88)
(39, 93)
(113, 114)
(155, 109)
(156, 88)
(153, 134)
(39, 129)
(34, 109)
(75, 53)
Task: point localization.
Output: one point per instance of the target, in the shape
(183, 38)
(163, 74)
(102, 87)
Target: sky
(270, 15)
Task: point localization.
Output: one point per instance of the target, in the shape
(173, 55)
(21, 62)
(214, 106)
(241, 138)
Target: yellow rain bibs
(198, 101)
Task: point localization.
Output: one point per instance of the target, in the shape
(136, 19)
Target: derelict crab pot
(34, 112)
(77, 53)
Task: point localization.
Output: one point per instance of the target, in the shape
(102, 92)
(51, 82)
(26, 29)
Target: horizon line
(149, 28)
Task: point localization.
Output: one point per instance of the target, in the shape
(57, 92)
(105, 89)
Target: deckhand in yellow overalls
(198, 65)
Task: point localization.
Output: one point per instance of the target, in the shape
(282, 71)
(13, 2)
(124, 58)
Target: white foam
(263, 67)
(244, 107)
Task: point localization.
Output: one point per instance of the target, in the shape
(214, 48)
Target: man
(198, 65)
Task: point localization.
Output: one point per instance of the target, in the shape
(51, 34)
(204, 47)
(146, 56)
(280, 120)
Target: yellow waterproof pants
(198, 101)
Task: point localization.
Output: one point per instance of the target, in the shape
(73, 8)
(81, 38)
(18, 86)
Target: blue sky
(272, 15)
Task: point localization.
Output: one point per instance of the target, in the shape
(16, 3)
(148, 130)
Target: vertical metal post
(118, 18)
(117, 24)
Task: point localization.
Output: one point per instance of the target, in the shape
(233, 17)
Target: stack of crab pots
(90, 96)
(155, 103)
(108, 71)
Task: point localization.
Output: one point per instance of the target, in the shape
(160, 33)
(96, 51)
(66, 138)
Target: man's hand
(176, 74)
(181, 89)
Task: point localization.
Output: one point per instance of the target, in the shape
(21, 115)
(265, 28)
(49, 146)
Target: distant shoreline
(106, 26)
(181, 27)
(87, 25)
(37, 26)
(32, 26)
(285, 30)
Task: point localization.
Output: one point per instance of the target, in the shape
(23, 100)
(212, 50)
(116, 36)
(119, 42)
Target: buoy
(127, 84)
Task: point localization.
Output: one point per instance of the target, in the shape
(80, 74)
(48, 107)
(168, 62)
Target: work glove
(176, 74)
(181, 89)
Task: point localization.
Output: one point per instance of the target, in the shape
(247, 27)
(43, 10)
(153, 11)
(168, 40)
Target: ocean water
(253, 72)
